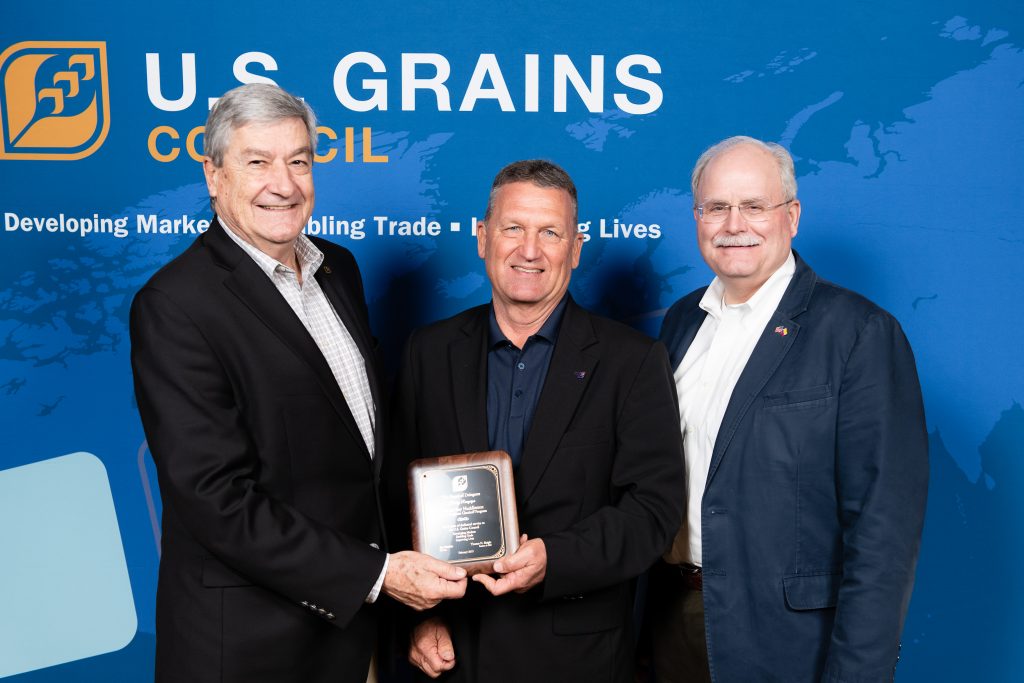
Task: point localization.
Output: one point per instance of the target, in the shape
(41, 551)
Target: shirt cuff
(375, 591)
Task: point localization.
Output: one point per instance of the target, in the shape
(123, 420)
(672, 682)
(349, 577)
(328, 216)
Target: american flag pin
(580, 374)
(780, 330)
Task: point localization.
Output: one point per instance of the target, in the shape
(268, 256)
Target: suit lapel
(776, 340)
(341, 301)
(258, 293)
(467, 357)
(572, 368)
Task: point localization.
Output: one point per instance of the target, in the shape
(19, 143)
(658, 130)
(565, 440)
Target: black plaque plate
(464, 508)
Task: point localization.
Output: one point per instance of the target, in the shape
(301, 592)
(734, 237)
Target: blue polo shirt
(515, 378)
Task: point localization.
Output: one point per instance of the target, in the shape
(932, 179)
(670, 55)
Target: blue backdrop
(905, 120)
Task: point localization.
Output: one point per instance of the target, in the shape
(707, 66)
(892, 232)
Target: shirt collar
(306, 253)
(548, 331)
(713, 301)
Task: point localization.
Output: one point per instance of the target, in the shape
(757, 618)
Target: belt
(691, 575)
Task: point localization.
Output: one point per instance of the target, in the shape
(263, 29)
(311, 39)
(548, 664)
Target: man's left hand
(520, 571)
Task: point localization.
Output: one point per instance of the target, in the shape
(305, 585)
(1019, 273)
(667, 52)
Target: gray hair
(782, 159)
(541, 173)
(252, 103)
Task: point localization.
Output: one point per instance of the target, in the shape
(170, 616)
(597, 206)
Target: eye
(512, 231)
(717, 209)
(550, 235)
(256, 162)
(753, 208)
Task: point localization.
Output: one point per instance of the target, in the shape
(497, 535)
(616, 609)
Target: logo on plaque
(460, 483)
(55, 102)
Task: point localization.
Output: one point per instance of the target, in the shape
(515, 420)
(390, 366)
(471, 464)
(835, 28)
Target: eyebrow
(745, 200)
(264, 153)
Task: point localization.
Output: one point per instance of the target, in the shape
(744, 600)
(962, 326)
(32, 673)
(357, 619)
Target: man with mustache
(805, 446)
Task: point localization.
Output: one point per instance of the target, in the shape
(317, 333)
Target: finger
(516, 560)
(448, 572)
(486, 581)
(449, 590)
(499, 586)
(435, 663)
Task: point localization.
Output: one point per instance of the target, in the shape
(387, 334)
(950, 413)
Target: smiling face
(264, 188)
(530, 247)
(744, 254)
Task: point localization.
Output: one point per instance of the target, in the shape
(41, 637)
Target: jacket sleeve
(881, 484)
(209, 469)
(621, 540)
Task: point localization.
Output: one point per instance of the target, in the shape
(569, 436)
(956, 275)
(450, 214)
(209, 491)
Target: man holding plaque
(586, 409)
(257, 387)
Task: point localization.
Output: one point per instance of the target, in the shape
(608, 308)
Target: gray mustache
(741, 240)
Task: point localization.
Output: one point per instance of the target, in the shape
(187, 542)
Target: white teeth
(521, 269)
(275, 208)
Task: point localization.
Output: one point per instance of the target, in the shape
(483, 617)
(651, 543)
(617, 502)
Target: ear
(794, 217)
(577, 247)
(481, 239)
(210, 171)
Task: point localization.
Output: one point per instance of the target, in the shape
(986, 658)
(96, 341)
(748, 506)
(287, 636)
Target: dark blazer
(599, 482)
(270, 498)
(812, 514)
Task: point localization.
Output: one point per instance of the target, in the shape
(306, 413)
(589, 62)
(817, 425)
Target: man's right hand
(431, 648)
(420, 581)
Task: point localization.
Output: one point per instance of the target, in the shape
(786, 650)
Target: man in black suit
(256, 383)
(586, 409)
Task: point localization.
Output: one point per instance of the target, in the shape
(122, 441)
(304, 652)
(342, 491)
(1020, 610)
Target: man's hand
(431, 649)
(420, 581)
(521, 571)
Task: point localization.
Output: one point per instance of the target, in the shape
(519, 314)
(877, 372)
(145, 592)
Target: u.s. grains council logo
(55, 102)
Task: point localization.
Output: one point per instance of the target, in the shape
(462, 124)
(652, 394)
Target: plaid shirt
(323, 324)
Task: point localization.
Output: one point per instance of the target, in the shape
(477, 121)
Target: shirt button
(518, 393)
(521, 366)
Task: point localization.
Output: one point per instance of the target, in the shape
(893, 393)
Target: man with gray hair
(805, 446)
(255, 375)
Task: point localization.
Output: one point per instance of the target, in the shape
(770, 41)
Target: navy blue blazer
(815, 499)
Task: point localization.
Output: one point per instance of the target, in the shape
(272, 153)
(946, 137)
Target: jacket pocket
(811, 591)
(216, 575)
(584, 437)
(799, 399)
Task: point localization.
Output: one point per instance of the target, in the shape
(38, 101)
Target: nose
(279, 179)
(530, 246)
(735, 222)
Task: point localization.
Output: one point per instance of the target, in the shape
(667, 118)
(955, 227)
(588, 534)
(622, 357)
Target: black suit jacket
(270, 497)
(600, 482)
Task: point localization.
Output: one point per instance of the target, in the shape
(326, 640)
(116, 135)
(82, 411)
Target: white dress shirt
(333, 339)
(705, 380)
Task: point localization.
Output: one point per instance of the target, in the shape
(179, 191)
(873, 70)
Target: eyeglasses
(753, 210)
(544, 235)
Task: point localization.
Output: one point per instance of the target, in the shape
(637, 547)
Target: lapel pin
(327, 270)
(580, 374)
(781, 331)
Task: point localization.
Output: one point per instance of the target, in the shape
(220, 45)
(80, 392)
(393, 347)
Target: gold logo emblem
(55, 102)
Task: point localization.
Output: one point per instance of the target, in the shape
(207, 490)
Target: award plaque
(463, 509)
